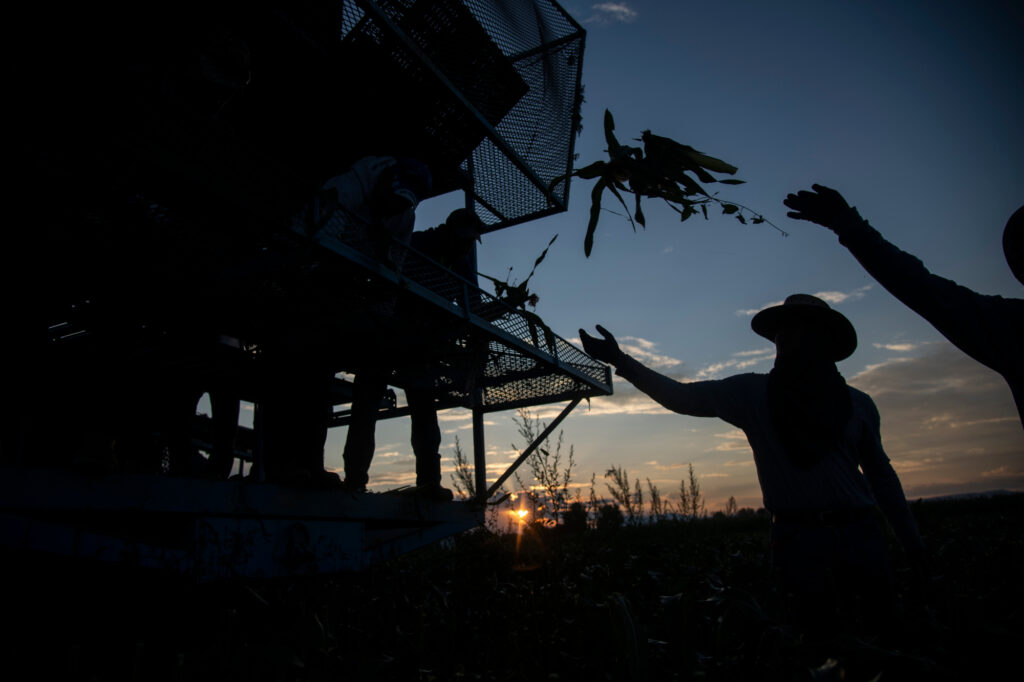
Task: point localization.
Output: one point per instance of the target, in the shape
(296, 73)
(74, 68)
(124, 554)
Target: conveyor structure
(165, 151)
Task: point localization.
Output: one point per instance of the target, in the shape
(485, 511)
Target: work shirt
(352, 221)
(990, 329)
(855, 473)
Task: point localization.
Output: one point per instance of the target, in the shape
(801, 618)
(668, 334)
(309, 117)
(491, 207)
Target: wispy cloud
(734, 441)
(665, 467)
(392, 454)
(731, 446)
(467, 426)
(903, 466)
(739, 361)
(611, 12)
(837, 297)
(1003, 472)
(897, 347)
(454, 415)
(389, 480)
(646, 352)
(625, 401)
(830, 297)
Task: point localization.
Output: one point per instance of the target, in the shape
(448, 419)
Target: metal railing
(522, 362)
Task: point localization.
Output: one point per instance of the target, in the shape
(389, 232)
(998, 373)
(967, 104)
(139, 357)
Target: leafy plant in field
(691, 497)
(464, 481)
(609, 516)
(592, 502)
(701, 605)
(575, 517)
(659, 170)
(463, 477)
(658, 509)
(550, 469)
(731, 507)
(629, 499)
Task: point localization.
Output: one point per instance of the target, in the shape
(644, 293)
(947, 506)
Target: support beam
(479, 451)
(533, 446)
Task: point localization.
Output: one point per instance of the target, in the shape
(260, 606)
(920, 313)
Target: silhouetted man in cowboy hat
(988, 328)
(818, 452)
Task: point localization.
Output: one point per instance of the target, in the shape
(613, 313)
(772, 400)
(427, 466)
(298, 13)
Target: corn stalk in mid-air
(518, 296)
(659, 170)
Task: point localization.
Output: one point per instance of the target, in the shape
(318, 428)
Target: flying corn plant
(658, 170)
(519, 296)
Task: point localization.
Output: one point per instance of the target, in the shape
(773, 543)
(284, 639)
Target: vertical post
(479, 453)
(469, 191)
(479, 449)
(258, 470)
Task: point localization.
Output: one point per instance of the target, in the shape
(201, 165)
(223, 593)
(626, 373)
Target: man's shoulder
(425, 241)
(424, 235)
(862, 401)
(745, 380)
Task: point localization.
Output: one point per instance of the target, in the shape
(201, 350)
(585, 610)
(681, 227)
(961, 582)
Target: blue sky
(912, 110)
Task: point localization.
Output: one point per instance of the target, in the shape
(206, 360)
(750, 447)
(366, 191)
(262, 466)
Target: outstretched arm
(698, 399)
(960, 314)
(605, 349)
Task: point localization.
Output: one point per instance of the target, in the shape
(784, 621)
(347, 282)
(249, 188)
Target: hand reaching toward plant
(824, 206)
(605, 350)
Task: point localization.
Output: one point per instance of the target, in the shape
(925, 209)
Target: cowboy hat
(840, 332)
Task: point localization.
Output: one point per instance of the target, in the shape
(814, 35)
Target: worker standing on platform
(369, 207)
(450, 244)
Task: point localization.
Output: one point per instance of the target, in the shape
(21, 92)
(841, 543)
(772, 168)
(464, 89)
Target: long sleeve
(697, 399)
(990, 329)
(885, 484)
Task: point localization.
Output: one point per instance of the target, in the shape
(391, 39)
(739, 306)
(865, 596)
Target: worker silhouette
(818, 452)
(372, 208)
(185, 387)
(990, 329)
(450, 244)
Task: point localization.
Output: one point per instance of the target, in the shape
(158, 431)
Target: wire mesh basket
(487, 90)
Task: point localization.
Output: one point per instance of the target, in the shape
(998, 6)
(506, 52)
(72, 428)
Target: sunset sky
(912, 110)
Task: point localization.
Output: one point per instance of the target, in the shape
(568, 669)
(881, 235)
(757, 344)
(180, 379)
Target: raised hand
(823, 205)
(605, 350)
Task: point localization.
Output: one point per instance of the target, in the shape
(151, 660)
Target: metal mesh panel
(515, 62)
(523, 362)
(546, 47)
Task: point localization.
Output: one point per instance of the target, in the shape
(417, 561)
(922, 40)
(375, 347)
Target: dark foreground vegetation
(672, 601)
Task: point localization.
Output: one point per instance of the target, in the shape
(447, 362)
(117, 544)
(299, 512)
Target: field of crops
(671, 601)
